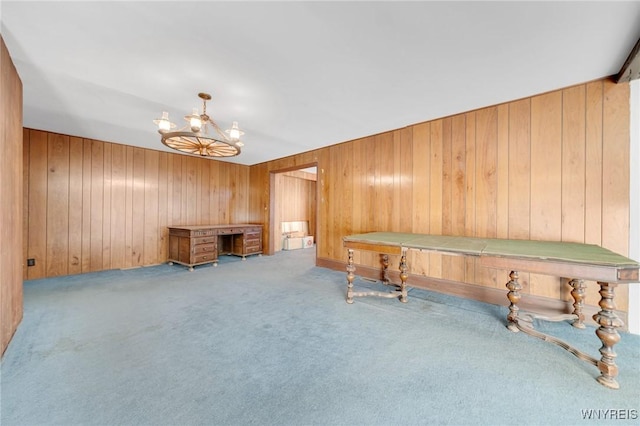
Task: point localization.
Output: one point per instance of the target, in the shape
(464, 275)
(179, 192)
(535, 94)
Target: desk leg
(403, 276)
(350, 277)
(608, 334)
(578, 296)
(514, 297)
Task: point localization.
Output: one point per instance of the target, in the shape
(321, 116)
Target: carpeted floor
(271, 341)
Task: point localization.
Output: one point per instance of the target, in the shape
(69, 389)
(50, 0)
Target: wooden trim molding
(631, 68)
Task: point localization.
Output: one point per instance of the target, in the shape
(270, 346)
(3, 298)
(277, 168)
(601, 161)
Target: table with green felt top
(575, 261)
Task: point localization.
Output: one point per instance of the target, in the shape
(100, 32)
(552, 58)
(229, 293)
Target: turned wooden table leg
(514, 297)
(608, 334)
(403, 276)
(578, 296)
(350, 277)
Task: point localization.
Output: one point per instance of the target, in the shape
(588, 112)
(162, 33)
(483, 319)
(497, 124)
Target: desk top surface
(527, 249)
(231, 225)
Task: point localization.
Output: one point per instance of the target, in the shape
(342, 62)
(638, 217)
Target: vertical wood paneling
(519, 169)
(344, 211)
(25, 195)
(359, 188)
(435, 191)
(384, 178)
(106, 207)
(75, 205)
(546, 181)
(486, 165)
(421, 198)
(57, 255)
(37, 216)
(205, 193)
(332, 208)
(176, 196)
(150, 245)
(404, 169)
(615, 167)
(486, 184)
(573, 164)
(573, 170)
(593, 173)
(458, 191)
(97, 201)
(322, 249)
(397, 178)
(86, 206)
(224, 193)
(118, 214)
(191, 192)
(128, 220)
(458, 173)
(470, 200)
(214, 197)
(242, 201)
(163, 206)
(421, 178)
(447, 189)
(593, 161)
(447, 183)
(370, 204)
(233, 193)
(615, 174)
(12, 231)
(519, 184)
(502, 173)
(199, 219)
(138, 207)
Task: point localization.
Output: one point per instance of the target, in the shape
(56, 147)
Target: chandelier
(201, 135)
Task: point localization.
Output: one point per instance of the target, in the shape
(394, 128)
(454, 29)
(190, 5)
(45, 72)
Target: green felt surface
(529, 249)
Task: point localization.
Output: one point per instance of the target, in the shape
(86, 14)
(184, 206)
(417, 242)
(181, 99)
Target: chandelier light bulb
(164, 125)
(194, 121)
(235, 132)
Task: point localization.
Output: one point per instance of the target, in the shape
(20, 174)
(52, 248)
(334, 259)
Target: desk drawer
(204, 233)
(204, 248)
(227, 231)
(253, 242)
(204, 240)
(206, 257)
(253, 235)
(253, 249)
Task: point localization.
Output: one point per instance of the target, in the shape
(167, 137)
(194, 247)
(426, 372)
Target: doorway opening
(294, 209)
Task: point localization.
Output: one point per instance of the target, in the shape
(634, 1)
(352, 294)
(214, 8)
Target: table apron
(561, 269)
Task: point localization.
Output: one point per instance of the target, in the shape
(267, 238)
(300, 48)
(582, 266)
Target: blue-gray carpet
(271, 341)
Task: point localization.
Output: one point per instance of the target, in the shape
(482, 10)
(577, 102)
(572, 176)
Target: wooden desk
(578, 262)
(199, 245)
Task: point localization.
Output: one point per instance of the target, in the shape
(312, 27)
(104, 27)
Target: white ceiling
(299, 75)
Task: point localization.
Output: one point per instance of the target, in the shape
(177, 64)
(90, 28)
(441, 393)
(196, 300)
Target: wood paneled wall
(95, 205)
(11, 306)
(296, 199)
(549, 167)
